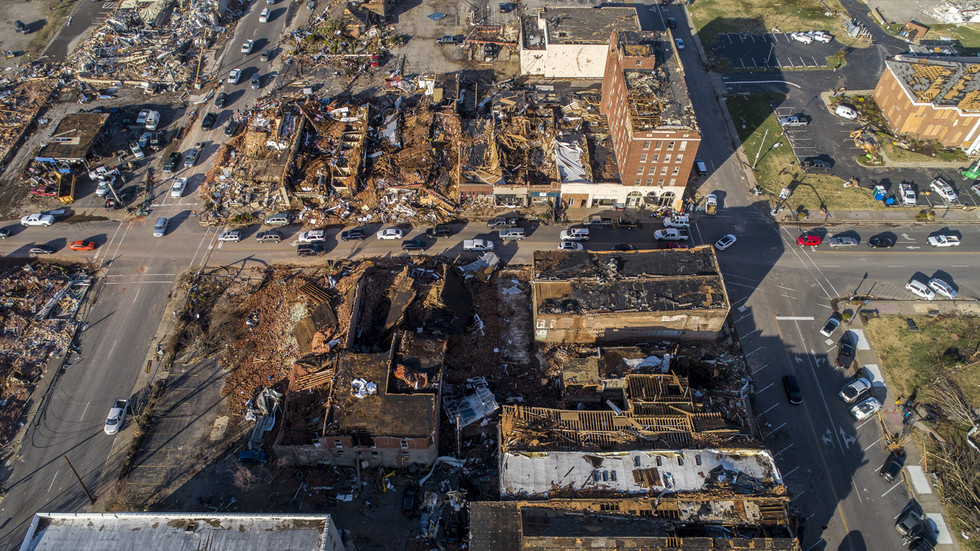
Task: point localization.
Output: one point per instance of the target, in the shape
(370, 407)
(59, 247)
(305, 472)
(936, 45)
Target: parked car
(278, 219)
(231, 236)
(231, 127)
(82, 245)
(441, 230)
(792, 388)
(313, 236)
(893, 465)
(908, 194)
(854, 389)
(221, 100)
(943, 241)
(920, 289)
(234, 76)
(477, 245)
(671, 23)
(309, 249)
(680, 43)
(414, 245)
(506, 221)
(207, 123)
(247, 46)
(353, 234)
(831, 325)
(191, 159)
(172, 162)
(845, 111)
(802, 37)
(845, 352)
(726, 241)
(808, 240)
(569, 246)
(672, 234)
(252, 456)
(625, 247)
(942, 288)
(256, 82)
(37, 219)
(409, 498)
(444, 40)
(975, 188)
(678, 221)
(102, 189)
(160, 228)
(390, 233)
(6, 232)
(865, 409)
(37, 250)
(136, 150)
(822, 36)
(881, 242)
(793, 121)
(943, 189)
(177, 190)
(516, 234)
(841, 241)
(814, 164)
(117, 415)
(268, 237)
(574, 234)
(264, 15)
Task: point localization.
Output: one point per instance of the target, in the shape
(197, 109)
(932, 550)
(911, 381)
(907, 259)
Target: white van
(845, 111)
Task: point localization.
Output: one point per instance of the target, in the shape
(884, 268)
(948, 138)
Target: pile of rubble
(350, 41)
(38, 303)
(155, 44)
(20, 105)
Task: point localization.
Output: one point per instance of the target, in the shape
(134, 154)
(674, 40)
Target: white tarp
(569, 159)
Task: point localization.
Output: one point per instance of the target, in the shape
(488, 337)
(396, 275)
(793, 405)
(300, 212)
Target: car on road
(678, 221)
(701, 167)
(680, 43)
(172, 162)
(247, 46)
(506, 7)
(207, 123)
(5, 232)
(41, 249)
(908, 194)
(792, 388)
(160, 228)
(191, 159)
(881, 242)
(943, 241)
(841, 241)
(309, 249)
(942, 288)
(391, 233)
(511, 233)
(235, 76)
(893, 465)
(831, 325)
(793, 121)
(441, 230)
(117, 415)
(82, 245)
(808, 240)
(943, 189)
(266, 54)
(846, 111)
(37, 219)
(231, 127)
(671, 23)
(230, 236)
(313, 236)
(854, 389)
(845, 352)
(672, 234)
(865, 409)
(920, 289)
(177, 190)
(625, 247)
(726, 241)
(506, 221)
(221, 100)
(574, 234)
(414, 245)
(256, 82)
(353, 234)
(268, 237)
(569, 246)
(264, 16)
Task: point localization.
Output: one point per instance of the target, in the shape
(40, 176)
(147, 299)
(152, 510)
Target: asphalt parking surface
(772, 51)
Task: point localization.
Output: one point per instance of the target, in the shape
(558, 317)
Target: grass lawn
(908, 359)
(967, 35)
(56, 12)
(776, 168)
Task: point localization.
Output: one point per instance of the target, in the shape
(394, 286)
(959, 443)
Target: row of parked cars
(883, 240)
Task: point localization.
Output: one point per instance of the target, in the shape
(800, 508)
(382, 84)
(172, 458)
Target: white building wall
(620, 193)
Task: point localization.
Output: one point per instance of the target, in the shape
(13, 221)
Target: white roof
(180, 531)
(628, 472)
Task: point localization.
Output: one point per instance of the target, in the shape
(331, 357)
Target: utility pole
(80, 483)
(764, 136)
(459, 445)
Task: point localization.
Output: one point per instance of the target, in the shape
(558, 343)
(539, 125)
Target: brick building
(932, 99)
(571, 42)
(654, 132)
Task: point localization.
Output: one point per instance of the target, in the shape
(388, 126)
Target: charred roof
(615, 265)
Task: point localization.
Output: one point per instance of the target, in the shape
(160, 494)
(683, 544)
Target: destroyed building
(20, 104)
(382, 409)
(181, 531)
(669, 523)
(651, 123)
(590, 296)
(932, 99)
(72, 140)
(571, 42)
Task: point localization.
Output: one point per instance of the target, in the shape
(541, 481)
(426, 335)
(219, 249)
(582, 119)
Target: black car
(41, 249)
(353, 234)
(671, 23)
(249, 456)
(893, 465)
(413, 245)
(309, 249)
(443, 40)
(207, 123)
(506, 7)
(156, 140)
(266, 55)
(624, 247)
(172, 162)
(814, 164)
(231, 128)
(501, 222)
(792, 388)
(221, 100)
(20, 27)
(881, 242)
(268, 237)
(409, 499)
(4, 233)
(845, 352)
(909, 521)
(441, 230)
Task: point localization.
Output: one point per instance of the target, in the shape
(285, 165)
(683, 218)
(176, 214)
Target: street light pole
(764, 136)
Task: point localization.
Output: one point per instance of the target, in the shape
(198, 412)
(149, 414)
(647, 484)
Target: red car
(808, 239)
(81, 245)
(45, 191)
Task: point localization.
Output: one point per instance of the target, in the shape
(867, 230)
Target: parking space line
(780, 452)
(889, 490)
(763, 390)
(815, 64)
(774, 406)
(775, 429)
(791, 472)
(871, 444)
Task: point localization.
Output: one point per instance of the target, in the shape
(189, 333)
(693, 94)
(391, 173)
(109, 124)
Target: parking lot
(772, 51)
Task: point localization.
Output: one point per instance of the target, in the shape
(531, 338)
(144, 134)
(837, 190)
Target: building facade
(571, 42)
(932, 99)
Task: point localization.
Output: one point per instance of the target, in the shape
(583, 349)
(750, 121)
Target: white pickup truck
(679, 221)
(944, 241)
(477, 245)
(671, 234)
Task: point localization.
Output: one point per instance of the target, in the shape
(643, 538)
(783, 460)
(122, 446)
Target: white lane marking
(857, 490)
(780, 452)
(108, 243)
(82, 416)
(770, 409)
(137, 295)
(137, 274)
(871, 444)
(775, 429)
(763, 389)
(888, 491)
(787, 288)
(756, 350)
(791, 472)
(868, 420)
(112, 349)
(53, 479)
(794, 318)
(753, 332)
(141, 283)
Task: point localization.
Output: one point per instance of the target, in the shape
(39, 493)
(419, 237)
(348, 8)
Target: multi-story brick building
(932, 99)
(571, 42)
(652, 126)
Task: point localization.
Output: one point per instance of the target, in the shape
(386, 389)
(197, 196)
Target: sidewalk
(896, 215)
